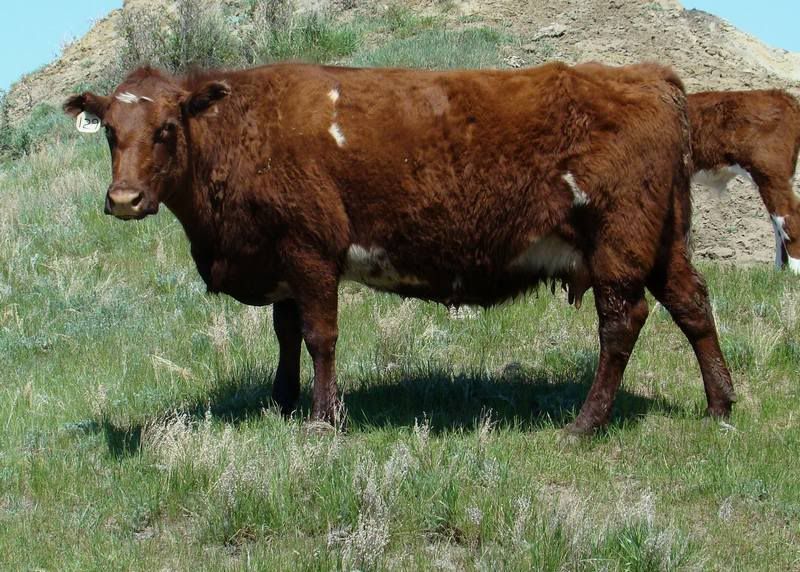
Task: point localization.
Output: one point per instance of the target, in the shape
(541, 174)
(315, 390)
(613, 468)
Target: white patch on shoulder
(333, 95)
(128, 97)
(581, 198)
(336, 133)
(718, 179)
(549, 256)
(373, 268)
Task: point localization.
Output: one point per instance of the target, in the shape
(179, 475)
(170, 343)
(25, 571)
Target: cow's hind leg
(287, 324)
(622, 313)
(682, 291)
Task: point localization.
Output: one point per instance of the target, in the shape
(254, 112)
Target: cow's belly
(256, 296)
(545, 258)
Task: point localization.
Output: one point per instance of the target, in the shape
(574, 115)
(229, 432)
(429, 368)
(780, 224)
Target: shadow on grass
(521, 398)
(449, 400)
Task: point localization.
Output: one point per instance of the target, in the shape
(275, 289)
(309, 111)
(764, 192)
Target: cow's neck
(193, 210)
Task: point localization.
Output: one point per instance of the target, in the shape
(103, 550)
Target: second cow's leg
(784, 211)
(621, 317)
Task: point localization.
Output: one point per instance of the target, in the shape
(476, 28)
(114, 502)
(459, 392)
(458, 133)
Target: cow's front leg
(288, 329)
(320, 333)
(621, 319)
(316, 293)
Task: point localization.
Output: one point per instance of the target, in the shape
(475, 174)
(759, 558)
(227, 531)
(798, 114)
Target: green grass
(136, 425)
(44, 123)
(438, 48)
(136, 430)
(314, 38)
(402, 23)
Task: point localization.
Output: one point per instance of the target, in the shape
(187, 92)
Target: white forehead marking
(581, 198)
(336, 133)
(128, 97)
(334, 95)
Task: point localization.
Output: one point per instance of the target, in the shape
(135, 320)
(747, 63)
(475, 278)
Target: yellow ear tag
(87, 122)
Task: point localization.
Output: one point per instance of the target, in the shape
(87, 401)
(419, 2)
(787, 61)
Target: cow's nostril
(137, 199)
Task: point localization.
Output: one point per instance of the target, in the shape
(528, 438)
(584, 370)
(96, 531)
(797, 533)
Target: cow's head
(146, 123)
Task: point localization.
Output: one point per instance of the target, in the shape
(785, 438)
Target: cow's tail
(795, 120)
(684, 168)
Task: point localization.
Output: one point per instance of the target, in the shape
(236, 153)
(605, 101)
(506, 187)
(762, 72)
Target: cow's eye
(165, 132)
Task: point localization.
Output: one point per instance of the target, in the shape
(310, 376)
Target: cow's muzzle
(128, 203)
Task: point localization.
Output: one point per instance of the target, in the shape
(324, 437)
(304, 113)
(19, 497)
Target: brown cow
(462, 187)
(755, 134)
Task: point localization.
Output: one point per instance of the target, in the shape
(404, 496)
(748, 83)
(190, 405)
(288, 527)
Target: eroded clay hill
(707, 52)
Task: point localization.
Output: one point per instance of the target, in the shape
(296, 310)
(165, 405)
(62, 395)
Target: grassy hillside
(137, 431)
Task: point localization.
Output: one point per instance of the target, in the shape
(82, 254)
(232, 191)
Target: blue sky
(35, 29)
(775, 22)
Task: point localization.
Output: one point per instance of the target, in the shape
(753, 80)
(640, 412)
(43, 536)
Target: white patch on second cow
(781, 237)
(128, 97)
(718, 179)
(336, 133)
(373, 268)
(777, 224)
(581, 198)
(549, 256)
(333, 95)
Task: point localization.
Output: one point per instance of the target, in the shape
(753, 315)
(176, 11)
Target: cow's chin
(144, 213)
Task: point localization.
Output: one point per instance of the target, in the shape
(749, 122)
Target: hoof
(318, 428)
(718, 423)
(575, 432)
(286, 408)
(719, 411)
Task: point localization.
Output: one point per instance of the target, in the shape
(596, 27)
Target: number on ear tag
(87, 122)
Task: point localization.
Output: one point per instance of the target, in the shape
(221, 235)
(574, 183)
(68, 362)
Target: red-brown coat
(464, 187)
(757, 131)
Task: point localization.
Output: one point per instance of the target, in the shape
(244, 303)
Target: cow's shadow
(526, 399)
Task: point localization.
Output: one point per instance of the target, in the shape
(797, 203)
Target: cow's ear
(87, 101)
(206, 95)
